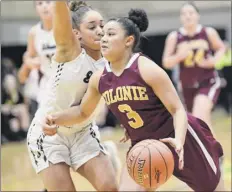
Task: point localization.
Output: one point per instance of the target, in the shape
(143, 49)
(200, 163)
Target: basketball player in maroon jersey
(192, 47)
(142, 97)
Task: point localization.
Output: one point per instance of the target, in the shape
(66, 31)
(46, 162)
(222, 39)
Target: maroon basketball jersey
(191, 75)
(134, 103)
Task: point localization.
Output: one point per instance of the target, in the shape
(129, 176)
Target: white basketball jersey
(67, 86)
(45, 47)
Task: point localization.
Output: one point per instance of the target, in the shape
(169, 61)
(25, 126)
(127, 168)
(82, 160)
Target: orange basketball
(150, 163)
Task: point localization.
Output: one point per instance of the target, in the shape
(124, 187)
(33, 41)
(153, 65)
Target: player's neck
(191, 30)
(47, 24)
(96, 55)
(119, 65)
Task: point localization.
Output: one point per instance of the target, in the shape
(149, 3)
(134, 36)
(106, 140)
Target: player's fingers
(49, 120)
(50, 132)
(49, 127)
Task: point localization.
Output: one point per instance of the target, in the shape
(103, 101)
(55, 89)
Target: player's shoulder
(172, 35)
(97, 75)
(95, 79)
(34, 29)
(147, 66)
(210, 30)
(149, 70)
(145, 62)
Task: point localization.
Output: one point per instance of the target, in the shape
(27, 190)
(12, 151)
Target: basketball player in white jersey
(41, 47)
(36, 61)
(77, 146)
(29, 77)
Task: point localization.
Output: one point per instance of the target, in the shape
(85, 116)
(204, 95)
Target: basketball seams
(165, 147)
(164, 163)
(138, 157)
(159, 151)
(144, 146)
(149, 165)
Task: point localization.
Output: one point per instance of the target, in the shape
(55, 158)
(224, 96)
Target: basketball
(150, 163)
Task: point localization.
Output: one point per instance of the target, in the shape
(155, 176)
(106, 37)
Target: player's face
(44, 9)
(114, 41)
(189, 16)
(91, 30)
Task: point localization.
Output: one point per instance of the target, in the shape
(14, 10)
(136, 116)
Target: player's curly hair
(139, 17)
(136, 22)
(78, 10)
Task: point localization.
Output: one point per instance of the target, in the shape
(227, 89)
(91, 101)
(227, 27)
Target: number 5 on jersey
(135, 121)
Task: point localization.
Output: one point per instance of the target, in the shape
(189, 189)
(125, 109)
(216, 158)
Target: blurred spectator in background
(14, 112)
(8, 67)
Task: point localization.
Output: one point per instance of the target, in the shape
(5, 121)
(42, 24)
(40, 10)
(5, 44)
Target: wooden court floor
(17, 173)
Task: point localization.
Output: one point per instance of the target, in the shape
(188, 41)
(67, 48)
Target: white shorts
(74, 149)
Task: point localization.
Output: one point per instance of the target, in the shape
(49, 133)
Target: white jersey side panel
(67, 85)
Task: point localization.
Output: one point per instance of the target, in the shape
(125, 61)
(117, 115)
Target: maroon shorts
(210, 88)
(201, 157)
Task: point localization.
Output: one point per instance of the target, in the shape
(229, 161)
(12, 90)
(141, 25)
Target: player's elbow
(84, 115)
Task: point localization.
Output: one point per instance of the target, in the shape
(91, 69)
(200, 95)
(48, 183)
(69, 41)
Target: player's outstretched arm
(79, 114)
(67, 45)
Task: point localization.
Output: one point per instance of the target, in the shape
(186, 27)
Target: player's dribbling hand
(126, 137)
(178, 148)
(49, 128)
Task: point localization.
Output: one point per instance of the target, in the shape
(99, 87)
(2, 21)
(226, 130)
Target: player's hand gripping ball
(150, 163)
